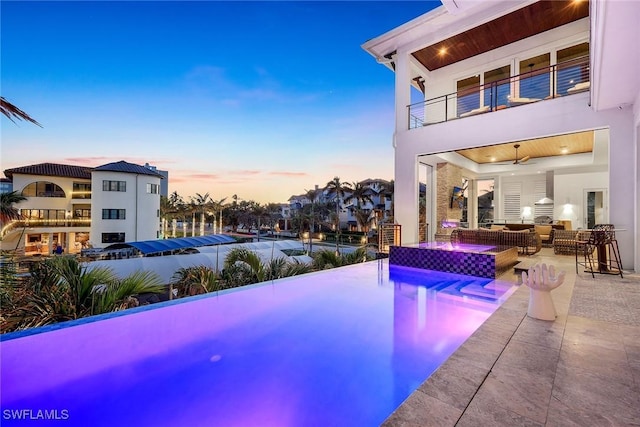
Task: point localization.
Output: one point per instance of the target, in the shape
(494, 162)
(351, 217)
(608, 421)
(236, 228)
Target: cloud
(244, 172)
(285, 173)
(201, 176)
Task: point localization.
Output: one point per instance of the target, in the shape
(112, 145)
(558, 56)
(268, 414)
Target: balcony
(537, 85)
(45, 223)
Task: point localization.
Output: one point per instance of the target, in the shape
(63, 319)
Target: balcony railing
(563, 79)
(35, 223)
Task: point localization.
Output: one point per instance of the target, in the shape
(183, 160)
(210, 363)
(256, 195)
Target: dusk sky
(259, 99)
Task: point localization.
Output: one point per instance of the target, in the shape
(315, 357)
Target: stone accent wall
(449, 176)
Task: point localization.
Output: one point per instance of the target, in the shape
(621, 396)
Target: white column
(202, 224)
(402, 90)
(406, 177)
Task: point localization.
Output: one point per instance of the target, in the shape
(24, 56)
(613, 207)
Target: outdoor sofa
(527, 241)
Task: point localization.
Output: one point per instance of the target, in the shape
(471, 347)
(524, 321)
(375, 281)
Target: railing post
(554, 76)
(409, 117)
(446, 106)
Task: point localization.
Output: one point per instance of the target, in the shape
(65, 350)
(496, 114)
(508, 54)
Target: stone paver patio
(583, 369)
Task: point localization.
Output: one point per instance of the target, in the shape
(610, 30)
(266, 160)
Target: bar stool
(586, 243)
(609, 247)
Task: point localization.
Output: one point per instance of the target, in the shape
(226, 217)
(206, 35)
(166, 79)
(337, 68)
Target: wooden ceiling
(528, 21)
(560, 145)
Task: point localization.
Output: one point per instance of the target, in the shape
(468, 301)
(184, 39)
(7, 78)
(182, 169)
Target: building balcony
(537, 85)
(45, 223)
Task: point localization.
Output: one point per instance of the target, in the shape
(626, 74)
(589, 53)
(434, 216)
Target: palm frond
(12, 112)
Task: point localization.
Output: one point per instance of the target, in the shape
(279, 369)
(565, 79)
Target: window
(43, 189)
(534, 77)
(44, 216)
(497, 86)
(112, 237)
(81, 211)
(113, 213)
(485, 201)
(573, 67)
(511, 206)
(153, 188)
(468, 95)
(81, 190)
(114, 185)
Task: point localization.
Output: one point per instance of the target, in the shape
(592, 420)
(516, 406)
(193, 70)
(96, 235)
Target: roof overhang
(466, 28)
(520, 24)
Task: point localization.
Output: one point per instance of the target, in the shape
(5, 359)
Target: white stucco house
(558, 79)
(74, 207)
(126, 204)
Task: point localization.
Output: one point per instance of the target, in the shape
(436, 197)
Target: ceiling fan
(517, 160)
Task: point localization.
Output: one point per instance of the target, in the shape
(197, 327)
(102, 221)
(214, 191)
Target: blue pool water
(342, 347)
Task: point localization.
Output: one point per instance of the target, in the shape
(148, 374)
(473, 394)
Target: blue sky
(258, 99)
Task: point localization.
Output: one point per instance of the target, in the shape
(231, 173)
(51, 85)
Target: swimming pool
(339, 347)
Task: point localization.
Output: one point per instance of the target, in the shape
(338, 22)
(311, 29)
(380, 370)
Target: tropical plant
(364, 218)
(337, 189)
(217, 207)
(360, 194)
(196, 280)
(359, 255)
(89, 290)
(81, 281)
(388, 190)
(325, 259)
(243, 266)
(12, 112)
(8, 212)
(201, 203)
(119, 295)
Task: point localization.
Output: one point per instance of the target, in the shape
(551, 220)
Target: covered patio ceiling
(579, 152)
(559, 145)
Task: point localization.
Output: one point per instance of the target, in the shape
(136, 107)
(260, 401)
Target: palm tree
(312, 195)
(337, 189)
(7, 211)
(360, 195)
(12, 112)
(201, 202)
(217, 206)
(388, 190)
(259, 213)
(363, 218)
(273, 214)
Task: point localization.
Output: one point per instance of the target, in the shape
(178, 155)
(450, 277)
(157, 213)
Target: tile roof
(126, 167)
(51, 169)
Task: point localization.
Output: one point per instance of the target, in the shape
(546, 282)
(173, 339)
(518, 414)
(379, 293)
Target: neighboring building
(164, 184)
(570, 67)
(6, 186)
(66, 206)
(57, 209)
(126, 204)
